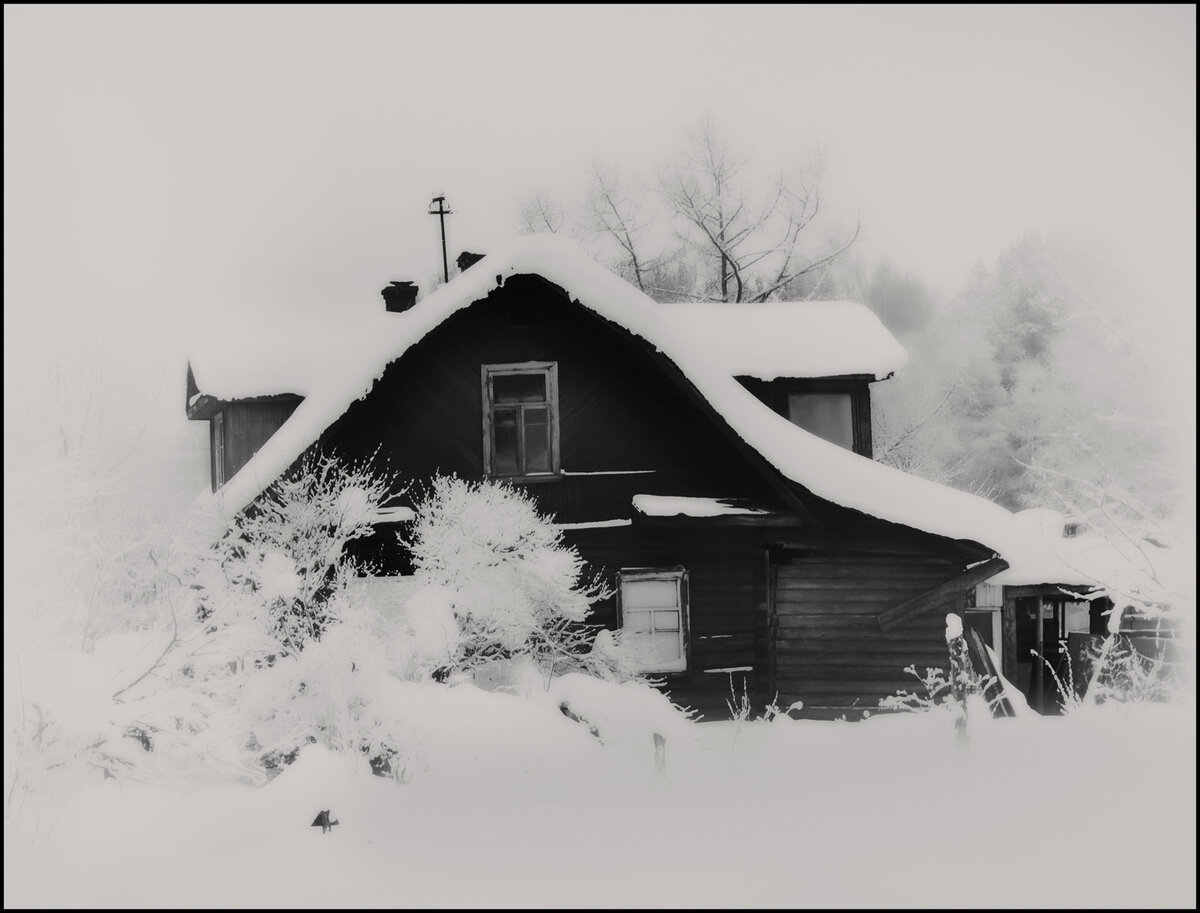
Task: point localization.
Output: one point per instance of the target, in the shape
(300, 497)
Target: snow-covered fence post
(660, 754)
(963, 682)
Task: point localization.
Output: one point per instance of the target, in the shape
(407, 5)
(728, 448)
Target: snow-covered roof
(675, 506)
(827, 470)
(1041, 553)
(295, 353)
(789, 338)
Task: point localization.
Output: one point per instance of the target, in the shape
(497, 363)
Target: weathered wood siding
(247, 426)
(829, 651)
(727, 604)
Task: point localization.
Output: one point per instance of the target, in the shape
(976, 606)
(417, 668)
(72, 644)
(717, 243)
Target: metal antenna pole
(441, 212)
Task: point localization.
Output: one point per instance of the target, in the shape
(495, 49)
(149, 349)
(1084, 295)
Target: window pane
(827, 415)
(1077, 617)
(663, 649)
(666, 621)
(505, 422)
(519, 388)
(637, 622)
(644, 594)
(537, 441)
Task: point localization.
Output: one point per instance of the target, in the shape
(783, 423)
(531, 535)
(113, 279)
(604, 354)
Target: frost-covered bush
(289, 548)
(1116, 670)
(516, 588)
(334, 692)
(292, 656)
(935, 692)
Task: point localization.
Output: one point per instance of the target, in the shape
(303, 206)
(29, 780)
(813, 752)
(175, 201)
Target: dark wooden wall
(774, 393)
(727, 603)
(248, 424)
(829, 650)
(618, 410)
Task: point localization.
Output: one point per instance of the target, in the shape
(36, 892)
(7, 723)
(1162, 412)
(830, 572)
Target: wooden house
(712, 462)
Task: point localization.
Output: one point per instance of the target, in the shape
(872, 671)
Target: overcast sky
(164, 163)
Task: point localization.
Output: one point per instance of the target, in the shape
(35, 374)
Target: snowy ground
(514, 805)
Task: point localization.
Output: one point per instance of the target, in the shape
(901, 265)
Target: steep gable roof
(356, 359)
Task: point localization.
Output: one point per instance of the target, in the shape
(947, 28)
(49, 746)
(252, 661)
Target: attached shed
(1052, 606)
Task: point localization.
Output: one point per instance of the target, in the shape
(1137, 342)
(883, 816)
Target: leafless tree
(707, 229)
(755, 243)
(626, 217)
(540, 213)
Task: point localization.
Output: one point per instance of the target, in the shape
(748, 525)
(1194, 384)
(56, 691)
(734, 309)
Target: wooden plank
(865, 587)
(831, 626)
(872, 689)
(817, 650)
(865, 564)
(834, 607)
(940, 594)
(884, 555)
(892, 672)
(993, 690)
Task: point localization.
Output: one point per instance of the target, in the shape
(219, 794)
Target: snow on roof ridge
(771, 339)
(825, 469)
(1044, 554)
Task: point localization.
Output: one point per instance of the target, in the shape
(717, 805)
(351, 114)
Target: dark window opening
(521, 433)
(827, 415)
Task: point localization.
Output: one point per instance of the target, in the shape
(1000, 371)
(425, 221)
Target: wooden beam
(765, 519)
(1047, 589)
(1039, 703)
(205, 407)
(913, 607)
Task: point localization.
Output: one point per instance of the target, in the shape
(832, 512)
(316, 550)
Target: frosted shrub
(1118, 671)
(289, 549)
(250, 606)
(516, 588)
(935, 692)
(334, 692)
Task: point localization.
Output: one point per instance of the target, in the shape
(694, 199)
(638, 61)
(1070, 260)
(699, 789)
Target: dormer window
(520, 420)
(827, 415)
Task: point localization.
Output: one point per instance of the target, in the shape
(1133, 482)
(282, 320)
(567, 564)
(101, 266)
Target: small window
(520, 419)
(827, 415)
(653, 607)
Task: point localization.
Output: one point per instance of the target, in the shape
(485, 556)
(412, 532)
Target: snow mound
(673, 506)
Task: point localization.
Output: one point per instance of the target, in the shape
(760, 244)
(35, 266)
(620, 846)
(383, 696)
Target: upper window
(520, 419)
(827, 415)
(653, 607)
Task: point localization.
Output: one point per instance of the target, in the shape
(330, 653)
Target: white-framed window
(654, 619)
(827, 415)
(520, 419)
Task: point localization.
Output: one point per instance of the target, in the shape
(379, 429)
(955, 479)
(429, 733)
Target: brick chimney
(399, 296)
(466, 260)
